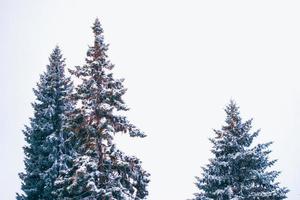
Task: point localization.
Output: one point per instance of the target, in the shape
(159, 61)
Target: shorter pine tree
(238, 171)
(45, 153)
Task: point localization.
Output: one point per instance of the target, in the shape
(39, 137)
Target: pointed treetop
(97, 28)
(98, 51)
(232, 107)
(57, 50)
(56, 54)
(232, 111)
(56, 60)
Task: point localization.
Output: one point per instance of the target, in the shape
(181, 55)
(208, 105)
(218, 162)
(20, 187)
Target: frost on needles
(101, 171)
(70, 152)
(45, 155)
(238, 171)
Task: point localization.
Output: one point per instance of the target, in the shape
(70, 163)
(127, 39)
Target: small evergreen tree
(238, 171)
(100, 170)
(44, 152)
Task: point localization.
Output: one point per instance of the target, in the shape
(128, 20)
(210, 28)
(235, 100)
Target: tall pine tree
(45, 153)
(238, 170)
(100, 170)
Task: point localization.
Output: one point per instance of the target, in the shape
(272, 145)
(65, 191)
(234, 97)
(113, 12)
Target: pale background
(182, 60)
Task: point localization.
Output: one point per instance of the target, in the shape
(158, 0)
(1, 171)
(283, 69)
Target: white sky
(182, 61)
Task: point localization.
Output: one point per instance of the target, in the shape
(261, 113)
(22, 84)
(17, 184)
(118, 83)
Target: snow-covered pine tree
(101, 171)
(237, 170)
(45, 152)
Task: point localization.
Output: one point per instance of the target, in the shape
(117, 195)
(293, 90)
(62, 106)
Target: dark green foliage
(238, 171)
(71, 153)
(45, 135)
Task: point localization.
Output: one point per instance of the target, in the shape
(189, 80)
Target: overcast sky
(182, 60)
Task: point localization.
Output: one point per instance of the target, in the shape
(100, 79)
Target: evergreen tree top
(56, 62)
(232, 111)
(56, 54)
(100, 92)
(97, 28)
